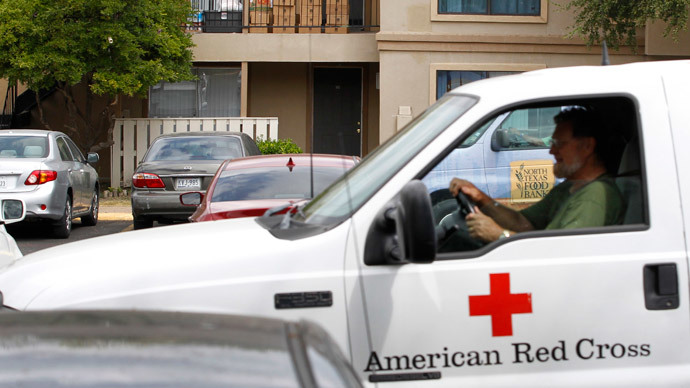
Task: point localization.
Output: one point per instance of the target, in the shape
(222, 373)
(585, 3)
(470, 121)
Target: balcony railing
(286, 16)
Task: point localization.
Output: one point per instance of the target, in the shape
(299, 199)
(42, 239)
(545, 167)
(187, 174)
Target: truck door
(593, 305)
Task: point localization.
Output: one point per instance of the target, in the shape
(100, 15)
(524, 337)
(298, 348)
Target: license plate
(188, 184)
(7, 182)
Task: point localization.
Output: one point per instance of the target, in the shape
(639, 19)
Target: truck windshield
(352, 190)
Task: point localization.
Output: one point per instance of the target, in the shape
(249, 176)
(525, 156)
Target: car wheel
(92, 218)
(142, 222)
(63, 227)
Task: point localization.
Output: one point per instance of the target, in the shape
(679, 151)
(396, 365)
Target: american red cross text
(501, 305)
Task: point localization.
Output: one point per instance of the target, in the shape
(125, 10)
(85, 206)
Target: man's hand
(470, 190)
(482, 227)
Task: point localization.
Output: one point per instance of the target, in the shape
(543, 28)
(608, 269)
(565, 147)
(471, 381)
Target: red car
(247, 187)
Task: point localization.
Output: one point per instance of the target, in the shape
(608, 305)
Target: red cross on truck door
(500, 304)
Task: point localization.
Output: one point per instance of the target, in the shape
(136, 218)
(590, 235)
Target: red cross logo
(500, 304)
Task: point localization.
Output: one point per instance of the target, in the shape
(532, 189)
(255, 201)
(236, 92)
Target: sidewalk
(115, 209)
(115, 213)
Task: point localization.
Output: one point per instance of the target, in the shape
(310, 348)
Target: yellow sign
(530, 180)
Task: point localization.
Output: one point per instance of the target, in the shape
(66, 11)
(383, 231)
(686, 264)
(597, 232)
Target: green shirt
(598, 203)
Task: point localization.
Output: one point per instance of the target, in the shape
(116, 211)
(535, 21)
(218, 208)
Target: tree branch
(41, 113)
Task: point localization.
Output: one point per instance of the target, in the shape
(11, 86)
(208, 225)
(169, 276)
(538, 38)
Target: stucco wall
(285, 47)
(372, 109)
(280, 90)
(415, 42)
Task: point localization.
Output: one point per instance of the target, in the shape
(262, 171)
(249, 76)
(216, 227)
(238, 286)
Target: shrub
(278, 146)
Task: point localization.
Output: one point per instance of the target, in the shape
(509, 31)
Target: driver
(587, 198)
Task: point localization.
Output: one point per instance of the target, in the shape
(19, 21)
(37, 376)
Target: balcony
(285, 16)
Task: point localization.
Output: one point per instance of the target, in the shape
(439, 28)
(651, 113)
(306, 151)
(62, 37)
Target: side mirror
(191, 199)
(12, 210)
(500, 140)
(403, 231)
(92, 157)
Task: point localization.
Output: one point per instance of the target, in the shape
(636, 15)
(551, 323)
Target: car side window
(78, 156)
(525, 167)
(525, 129)
(63, 148)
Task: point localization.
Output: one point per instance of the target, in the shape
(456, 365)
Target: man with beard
(588, 197)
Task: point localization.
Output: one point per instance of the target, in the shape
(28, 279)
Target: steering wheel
(465, 206)
(451, 230)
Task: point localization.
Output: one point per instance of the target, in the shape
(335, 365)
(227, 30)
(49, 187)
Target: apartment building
(427, 47)
(311, 63)
(342, 76)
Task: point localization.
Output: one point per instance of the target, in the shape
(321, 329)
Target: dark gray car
(180, 162)
(49, 172)
(166, 349)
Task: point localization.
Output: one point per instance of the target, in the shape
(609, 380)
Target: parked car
(181, 162)
(166, 349)
(49, 172)
(11, 210)
(248, 187)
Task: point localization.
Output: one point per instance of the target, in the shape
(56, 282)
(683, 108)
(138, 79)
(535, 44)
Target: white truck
(605, 306)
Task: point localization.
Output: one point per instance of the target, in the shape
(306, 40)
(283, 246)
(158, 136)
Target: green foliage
(279, 146)
(617, 21)
(111, 47)
(120, 46)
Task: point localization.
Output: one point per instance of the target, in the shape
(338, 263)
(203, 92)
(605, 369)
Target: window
(65, 154)
(23, 147)
(490, 11)
(78, 156)
(510, 157)
(346, 195)
(447, 80)
(274, 183)
(215, 93)
(490, 7)
(444, 77)
(182, 148)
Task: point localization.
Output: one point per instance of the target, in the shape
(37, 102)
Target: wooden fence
(132, 137)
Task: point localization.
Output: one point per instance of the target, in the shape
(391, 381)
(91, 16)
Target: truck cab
(411, 306)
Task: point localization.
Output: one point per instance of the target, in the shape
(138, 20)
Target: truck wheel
(142, 223)
(63, 227)
(92, 218)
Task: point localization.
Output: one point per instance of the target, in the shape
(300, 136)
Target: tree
(112, 48)
(617, 21)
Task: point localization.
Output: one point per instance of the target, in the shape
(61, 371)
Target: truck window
(559, 166)
(356, 186)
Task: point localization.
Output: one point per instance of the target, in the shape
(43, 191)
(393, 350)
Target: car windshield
(195, 148)
(358, 185)
(273, 183)
(12, 147)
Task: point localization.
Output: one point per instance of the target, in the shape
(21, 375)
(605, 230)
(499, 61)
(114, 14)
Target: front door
(338, 111)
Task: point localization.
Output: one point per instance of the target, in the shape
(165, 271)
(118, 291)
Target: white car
(51, 175)
(11, 210)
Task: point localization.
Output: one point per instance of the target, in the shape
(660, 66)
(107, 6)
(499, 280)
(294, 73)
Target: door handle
(661, 286)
